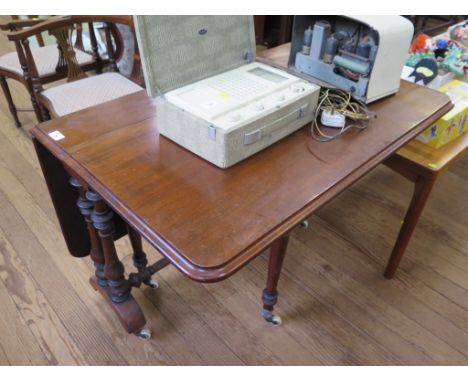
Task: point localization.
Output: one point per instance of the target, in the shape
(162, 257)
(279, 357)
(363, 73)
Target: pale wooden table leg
(422, 190)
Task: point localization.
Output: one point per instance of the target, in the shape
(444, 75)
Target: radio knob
(234, 117)
(279, 97)
(258, 106)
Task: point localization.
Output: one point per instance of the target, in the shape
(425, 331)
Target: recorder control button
(258, 106)
(234, 117)
(297, 88)
(279, 97)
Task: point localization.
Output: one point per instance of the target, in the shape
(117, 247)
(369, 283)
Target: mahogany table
(205, 221)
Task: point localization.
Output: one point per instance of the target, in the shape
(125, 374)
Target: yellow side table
(422, 165)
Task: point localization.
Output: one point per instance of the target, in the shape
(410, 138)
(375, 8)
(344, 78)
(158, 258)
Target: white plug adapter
(332, 118)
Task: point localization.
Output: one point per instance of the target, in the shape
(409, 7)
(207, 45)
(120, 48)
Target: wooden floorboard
(222, 325)
(18, 343)
(336, 306)
(321, 332)
(341, 258)
(35, 309)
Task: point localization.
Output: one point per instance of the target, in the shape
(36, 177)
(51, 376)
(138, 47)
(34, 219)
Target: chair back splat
(67, 56)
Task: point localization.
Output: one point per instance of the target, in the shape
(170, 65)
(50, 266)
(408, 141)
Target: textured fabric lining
(78, 95)
(178, 50)
(46, 59)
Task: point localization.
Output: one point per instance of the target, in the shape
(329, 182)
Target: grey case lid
(179, 50)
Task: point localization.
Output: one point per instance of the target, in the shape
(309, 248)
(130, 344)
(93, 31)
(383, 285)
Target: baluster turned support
(113, 269)
(86, 209)
(117, 292)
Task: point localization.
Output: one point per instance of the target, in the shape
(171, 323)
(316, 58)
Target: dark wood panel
(272, 31)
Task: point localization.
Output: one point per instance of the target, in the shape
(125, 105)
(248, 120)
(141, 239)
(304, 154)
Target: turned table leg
(422, 190)
(139, 256)
(270, 293)
(86, 209)
(117, 291)
(140, 259)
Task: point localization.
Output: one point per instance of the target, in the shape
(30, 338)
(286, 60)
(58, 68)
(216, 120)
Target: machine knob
(279, 97)
(258, 106)
(234, 117)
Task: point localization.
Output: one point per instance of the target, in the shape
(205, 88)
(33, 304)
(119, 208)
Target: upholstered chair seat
(77, 95)
(46, 59)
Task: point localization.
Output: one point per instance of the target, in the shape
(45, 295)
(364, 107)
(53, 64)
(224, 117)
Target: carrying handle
(256, 135)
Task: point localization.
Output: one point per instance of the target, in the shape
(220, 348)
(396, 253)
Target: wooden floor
(336, 306)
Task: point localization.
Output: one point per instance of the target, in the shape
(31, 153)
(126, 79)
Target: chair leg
(11, 105)
(42, 113)
(45, 115)
(422, 190)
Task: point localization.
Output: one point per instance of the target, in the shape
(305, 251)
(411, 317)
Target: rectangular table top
(208, 221)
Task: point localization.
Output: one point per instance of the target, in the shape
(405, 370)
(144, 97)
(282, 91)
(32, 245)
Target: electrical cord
(339, 101)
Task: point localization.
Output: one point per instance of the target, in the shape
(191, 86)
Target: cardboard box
(435, 84)
(455, 122)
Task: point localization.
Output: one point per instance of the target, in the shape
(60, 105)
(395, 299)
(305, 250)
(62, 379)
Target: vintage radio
(363, 55)
(212, 97)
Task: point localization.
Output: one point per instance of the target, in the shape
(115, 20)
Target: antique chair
(80, 91)
(49, 59)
